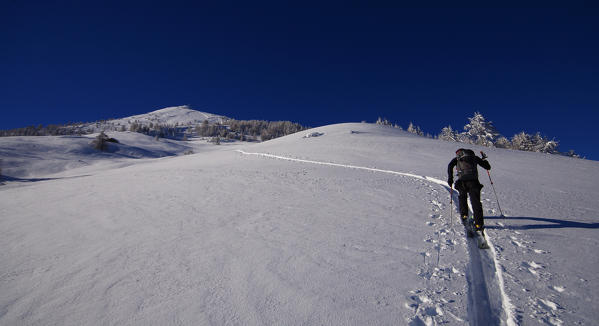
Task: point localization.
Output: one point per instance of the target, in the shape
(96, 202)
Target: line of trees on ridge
(479, 131)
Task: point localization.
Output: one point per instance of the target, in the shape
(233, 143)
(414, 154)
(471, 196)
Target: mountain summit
(181, 115)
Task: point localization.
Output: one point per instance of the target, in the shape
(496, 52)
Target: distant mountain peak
(182, 115)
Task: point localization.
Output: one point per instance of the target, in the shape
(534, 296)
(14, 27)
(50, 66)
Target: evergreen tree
(522, 141)
(447, 133)
(503, 142)
(415, 129)
(100, 143)
(480, 132)
(383, 122)
(543, 144)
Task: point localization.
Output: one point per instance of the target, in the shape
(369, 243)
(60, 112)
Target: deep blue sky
(531, 69)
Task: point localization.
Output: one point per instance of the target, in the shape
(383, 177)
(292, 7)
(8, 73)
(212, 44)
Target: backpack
(466, 164)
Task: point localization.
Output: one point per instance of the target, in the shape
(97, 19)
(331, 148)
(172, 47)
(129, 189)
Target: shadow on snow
(6, 178)
(550, 223)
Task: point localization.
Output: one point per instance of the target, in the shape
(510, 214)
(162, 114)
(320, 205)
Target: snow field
(224, 238)
(487, 298)
(25, 158)
(175, 253)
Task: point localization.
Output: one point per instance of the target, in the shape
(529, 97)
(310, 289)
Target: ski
(482, 240)
(469, 227)
(471, 232)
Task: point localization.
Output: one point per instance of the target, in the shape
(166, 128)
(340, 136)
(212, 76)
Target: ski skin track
(476, 273)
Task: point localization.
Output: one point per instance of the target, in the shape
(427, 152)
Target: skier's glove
(450, 182)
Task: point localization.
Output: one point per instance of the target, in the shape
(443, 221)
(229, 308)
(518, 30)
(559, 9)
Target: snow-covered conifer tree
(480, 131)
(463, 137)
(543, 144)
(383, 122)
(415, 129)
(447, 133)
(522, 141)
(503, 142)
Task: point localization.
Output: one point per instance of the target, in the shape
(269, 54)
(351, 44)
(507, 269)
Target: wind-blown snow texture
(351, 227)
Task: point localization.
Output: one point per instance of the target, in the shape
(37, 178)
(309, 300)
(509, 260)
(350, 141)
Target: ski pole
(484, 156)
(496, 198)
(451, 205)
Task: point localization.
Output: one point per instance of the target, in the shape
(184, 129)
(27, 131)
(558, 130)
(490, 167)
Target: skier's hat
(464, 152)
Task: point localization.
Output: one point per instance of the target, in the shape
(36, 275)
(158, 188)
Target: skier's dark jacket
(473, 160)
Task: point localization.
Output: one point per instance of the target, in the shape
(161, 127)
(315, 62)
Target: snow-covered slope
(23, 157)
(176, 118)
(181, 115)
(33, 157)
(350, 227)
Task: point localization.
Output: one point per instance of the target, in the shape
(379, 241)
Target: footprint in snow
(443, 231)
(438, 204)
(539, 251)
(516, 242)
(553, 321)
(433, 311)
(532, 267)
(548, 305)
(532, 264)
(455, 270)
(547, 310)
(420, 299)
(424, 309)
(418, 321)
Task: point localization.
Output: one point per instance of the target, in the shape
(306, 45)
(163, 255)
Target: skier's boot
(464, 219)
(479, 227)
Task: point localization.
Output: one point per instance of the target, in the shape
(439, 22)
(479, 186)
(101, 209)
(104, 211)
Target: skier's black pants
(470, 188)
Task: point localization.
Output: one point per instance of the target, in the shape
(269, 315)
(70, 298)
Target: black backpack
(466, 164)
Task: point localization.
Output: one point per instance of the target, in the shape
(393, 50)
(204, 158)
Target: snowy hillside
(172, 121)
(350, 226)
(176, 118)
(180, 115)
(25, 157)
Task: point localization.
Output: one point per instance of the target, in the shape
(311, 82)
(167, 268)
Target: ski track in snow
(488, 303)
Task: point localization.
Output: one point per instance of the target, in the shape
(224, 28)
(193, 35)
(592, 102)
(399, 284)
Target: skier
(467, 184)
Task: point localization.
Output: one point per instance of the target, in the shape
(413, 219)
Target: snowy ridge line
(506, 304)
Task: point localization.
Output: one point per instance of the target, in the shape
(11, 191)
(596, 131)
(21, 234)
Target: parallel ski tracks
(488, 303)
